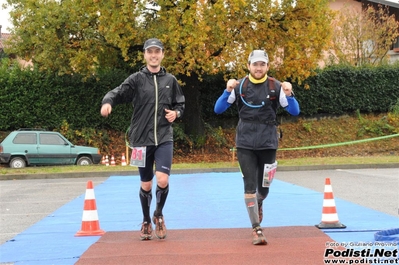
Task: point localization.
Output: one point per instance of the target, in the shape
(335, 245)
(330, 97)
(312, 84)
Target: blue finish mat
(207, 200)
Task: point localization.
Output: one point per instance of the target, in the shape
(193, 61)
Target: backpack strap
(273, 93)
(245, 82)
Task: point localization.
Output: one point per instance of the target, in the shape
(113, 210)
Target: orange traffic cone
(123, 160)
(90, 223)
(113, 161)
(329, 217)
(103, 161)
(106, 160)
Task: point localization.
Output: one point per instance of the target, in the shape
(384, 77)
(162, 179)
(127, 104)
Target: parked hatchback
(26, 147)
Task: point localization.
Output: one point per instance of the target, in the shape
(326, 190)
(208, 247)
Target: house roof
(392, 3)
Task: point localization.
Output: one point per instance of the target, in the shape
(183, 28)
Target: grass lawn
(282, 162)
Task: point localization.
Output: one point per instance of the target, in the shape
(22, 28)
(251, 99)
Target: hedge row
(41, 100)
(341, 90)
(29, 98)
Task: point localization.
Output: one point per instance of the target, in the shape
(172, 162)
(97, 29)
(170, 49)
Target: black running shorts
(162, 156)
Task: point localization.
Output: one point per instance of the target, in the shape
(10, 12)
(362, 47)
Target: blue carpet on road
(204, 200)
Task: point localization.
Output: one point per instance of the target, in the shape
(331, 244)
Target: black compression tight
(252, 164)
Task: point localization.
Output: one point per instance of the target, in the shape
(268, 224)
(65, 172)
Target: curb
(188, 171)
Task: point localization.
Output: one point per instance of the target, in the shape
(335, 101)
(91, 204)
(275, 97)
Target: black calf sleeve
(145, 199)
(162, 194)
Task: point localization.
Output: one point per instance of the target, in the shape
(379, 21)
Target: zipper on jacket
(156, 111)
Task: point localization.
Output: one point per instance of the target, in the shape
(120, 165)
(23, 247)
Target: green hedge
(29, 98)
(340, 90)
(44, 100)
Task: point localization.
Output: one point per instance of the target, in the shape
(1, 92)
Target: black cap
(153, 43)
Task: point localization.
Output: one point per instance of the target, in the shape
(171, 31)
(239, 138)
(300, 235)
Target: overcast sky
(4, 16)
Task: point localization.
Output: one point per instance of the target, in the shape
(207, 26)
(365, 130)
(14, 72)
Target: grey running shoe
(146, 231)
(258, 237)
(160, 228)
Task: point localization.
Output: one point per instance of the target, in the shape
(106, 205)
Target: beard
(258, 75)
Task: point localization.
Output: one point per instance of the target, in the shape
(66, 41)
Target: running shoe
(146, 231)
(260, 212)
(160, 228)
(258, 237)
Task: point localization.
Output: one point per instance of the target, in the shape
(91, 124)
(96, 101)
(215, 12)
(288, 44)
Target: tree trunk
(192, 118)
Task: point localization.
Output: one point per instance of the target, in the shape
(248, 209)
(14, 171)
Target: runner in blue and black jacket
(257, 97)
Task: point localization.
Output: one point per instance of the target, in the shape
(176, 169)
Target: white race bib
(268, 174)
(138, 156)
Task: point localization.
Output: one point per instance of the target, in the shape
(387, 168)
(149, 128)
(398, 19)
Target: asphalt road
(23, 202)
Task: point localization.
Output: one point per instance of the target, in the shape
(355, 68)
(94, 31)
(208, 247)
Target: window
(25, 138)
(395, 46)
(53, 139)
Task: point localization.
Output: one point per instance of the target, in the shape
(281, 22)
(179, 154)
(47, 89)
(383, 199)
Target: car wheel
(17, 162)
(84, 161)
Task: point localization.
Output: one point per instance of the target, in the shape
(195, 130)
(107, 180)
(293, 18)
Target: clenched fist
(106, 109)
(231, 84)
(287, 88)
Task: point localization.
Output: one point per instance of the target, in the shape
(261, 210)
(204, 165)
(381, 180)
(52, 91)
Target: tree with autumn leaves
(363, 36)
(201, 37)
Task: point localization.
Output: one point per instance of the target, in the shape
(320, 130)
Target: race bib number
(138, 156)
(268, 174)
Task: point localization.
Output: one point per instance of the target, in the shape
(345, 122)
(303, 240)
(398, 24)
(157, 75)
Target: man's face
(258, 70)
(153, 56)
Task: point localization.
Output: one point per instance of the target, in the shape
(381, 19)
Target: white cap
(258, 56)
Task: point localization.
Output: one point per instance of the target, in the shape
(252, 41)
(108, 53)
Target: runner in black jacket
(257, 96)
(157, 101)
